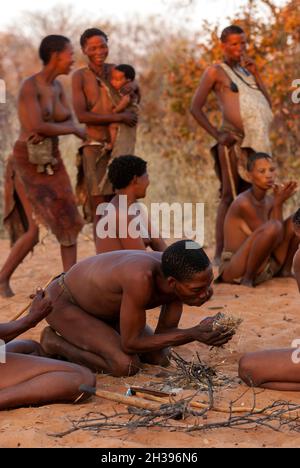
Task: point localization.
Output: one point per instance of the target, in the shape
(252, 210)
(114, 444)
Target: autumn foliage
(170, 63)
(274, 43)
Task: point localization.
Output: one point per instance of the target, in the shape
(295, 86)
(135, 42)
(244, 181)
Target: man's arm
(93, 118)
(133, 322)
(169, 317)
(39, 309)
(206, 85)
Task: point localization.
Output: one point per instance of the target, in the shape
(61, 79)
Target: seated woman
(129, 178)
(258, 242)
(28, 379)
(276, 369)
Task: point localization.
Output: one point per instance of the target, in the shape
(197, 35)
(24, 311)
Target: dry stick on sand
(147, 394)
(19, 314)
(274, 416)
(276, 413)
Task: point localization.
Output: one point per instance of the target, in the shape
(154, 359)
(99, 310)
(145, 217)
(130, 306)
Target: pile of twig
(276, 416)
(192, 375)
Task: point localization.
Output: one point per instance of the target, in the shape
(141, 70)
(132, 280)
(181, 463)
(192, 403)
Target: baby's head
(122, 74)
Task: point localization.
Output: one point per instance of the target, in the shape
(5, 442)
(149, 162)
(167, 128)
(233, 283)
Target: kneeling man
(99, 308)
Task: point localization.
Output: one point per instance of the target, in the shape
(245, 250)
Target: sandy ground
(271, 320)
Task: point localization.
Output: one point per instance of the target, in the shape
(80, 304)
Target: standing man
(247, 115)
(93, 106)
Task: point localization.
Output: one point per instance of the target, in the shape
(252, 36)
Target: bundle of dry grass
(228, 322)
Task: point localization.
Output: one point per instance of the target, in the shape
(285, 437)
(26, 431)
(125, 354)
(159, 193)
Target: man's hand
(283, 192)
(129, 118)
(250, 65)
(39, 309)
(205, 333)
(226, 139)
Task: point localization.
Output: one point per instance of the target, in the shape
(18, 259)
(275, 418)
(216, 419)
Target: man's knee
(125, 366)
(247, 370)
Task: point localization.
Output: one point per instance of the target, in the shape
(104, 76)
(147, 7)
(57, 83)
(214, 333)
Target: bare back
(123, 218)
(97, 283)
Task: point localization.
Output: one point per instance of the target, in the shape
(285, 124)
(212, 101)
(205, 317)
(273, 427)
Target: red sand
(270, 314)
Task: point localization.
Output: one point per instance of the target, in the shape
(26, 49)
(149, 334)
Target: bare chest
(51, 106)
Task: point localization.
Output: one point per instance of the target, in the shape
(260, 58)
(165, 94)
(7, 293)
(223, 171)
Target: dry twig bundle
(192, 375)
(228, 322)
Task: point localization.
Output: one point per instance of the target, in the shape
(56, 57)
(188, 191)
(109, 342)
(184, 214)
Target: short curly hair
(91, 32)
(128, 70)
(50, 44)
(123, 169)
(233, 29)
(183, 259)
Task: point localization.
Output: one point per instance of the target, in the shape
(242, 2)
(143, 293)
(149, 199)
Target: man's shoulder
(143, 267)
(214, 71)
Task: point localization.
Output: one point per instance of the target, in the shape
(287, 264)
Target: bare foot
(50, 342)
(5, 289)
(248, 283)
